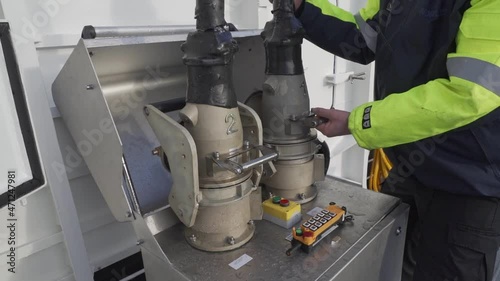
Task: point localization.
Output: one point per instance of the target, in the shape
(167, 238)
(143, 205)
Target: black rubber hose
(170, 105)
(209, 14)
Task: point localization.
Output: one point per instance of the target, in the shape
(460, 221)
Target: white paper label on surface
(241, 261)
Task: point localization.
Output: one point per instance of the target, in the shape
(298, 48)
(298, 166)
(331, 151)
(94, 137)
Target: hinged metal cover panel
(101, 93)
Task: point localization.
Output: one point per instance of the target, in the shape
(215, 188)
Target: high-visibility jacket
(437, 84)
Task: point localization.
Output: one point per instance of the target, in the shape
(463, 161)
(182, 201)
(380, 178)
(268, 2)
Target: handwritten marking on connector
(240, 262)
(232, 123)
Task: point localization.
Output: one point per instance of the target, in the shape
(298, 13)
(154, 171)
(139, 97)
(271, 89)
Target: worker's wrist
(299, 7)
(353, 125)
(347, 130)
(297, 4)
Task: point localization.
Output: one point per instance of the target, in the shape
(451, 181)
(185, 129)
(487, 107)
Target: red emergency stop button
(308, 234)
(284, 203)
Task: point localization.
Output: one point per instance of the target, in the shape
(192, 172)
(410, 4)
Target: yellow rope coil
(381, 166)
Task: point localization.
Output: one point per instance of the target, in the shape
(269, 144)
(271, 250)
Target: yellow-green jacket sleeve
(471, 92)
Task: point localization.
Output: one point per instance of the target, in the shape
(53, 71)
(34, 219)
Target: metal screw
(238, 171)
(156, 151)
(24, 202)
(246, 144)
(251, 222)
(146, 111)
(399, 231)
(302, 196)
(90, 87)
(216, 155)
(139, 242)
(231, 240)
(192, 238)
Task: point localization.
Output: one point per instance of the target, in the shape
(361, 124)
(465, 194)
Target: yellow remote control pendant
(313, 230)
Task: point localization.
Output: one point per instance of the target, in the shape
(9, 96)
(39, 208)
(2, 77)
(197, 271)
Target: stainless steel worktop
(370, 248)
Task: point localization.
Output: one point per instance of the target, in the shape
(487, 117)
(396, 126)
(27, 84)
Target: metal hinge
(340, 78)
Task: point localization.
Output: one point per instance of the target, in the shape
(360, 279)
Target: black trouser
(450, 237)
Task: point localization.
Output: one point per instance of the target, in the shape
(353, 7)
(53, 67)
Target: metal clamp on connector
(226, 162)
(314, 121)
(309, 120)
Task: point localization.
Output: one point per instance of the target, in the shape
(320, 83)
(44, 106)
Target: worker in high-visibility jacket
(437, 92)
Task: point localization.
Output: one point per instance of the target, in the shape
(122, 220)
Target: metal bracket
(309, 120)
(340, 78)
(180, 148)
(226, 161)
(253, 133)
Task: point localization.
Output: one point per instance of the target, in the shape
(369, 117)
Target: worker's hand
(337, 124)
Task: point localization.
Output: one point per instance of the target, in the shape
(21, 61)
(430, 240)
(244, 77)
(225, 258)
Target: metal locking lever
(226, 162)
(310, 120)
(314, 121)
